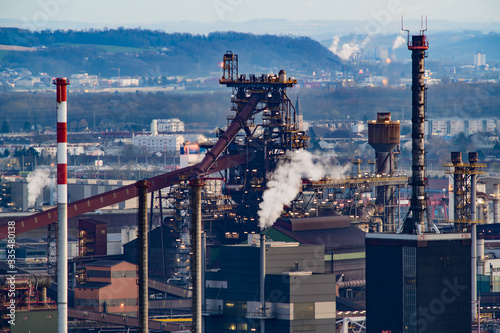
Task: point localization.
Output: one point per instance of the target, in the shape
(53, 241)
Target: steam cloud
(398, 42)
(37, 181)
(286, 182)
(347, 50)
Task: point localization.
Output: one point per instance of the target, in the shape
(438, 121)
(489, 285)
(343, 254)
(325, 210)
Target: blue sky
(145, 12)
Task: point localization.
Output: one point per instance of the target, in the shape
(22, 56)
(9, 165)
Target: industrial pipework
(237, 124)
(62, 206)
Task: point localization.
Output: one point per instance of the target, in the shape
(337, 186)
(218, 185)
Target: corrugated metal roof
(315, 223)
(93, 285)
(105, 263)
(330, 238)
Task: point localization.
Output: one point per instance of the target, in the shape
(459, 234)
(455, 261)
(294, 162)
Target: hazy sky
(145, 12)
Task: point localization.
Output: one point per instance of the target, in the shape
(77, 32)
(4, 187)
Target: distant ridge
(154, 53)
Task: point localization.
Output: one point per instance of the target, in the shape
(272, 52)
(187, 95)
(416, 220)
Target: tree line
(158, 53)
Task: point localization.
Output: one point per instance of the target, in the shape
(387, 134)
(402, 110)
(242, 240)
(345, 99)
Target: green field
(109, 48)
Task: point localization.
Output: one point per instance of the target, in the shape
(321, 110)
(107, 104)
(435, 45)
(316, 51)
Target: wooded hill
(156, 53)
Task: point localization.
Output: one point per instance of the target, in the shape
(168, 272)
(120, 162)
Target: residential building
(173, 125)
(452, 127)
(170, 143)
(479, 59)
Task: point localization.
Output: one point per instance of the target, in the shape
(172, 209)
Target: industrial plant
(259, 233)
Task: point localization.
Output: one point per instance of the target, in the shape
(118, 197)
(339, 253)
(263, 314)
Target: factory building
(299, 296)
(92, 237)
(77, 189)
(110, 287)
(163, 253)
(343, 242)
(418, 283)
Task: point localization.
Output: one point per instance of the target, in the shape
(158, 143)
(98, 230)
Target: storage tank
(383, 136)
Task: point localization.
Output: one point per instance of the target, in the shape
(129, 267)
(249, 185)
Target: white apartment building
(170, 143)
(173, 125)
(84, 80)
(479, 59)
(453, 127)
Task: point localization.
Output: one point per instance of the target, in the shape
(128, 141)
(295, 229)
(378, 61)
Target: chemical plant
(210, 248)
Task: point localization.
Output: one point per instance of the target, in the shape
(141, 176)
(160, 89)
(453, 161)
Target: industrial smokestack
(196, 185)
(456, 160)
(142, 236)
(416, 223)
(496, 203)
(262, 281)
(62, 206)
(473, 159)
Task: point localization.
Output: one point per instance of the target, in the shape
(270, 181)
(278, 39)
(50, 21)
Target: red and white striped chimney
(62, 207)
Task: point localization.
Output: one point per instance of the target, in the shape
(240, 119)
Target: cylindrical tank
(456, 157)
(43, 295)
(282, 76)
(125, 235)
(154, 127)
(132, 234)
(383, 136)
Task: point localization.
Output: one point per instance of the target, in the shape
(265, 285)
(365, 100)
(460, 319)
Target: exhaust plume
(37, 181)
(286, 182)
(347, 50)
(398, 42)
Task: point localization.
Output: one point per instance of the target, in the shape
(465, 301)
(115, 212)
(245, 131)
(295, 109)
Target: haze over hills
(154, 53)
(316, 29)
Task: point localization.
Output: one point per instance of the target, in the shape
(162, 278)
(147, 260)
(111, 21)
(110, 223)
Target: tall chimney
(262, 281)
(473, 159)
(142, 236)
(416, 224)
(496, 203)
(62, 206)
(196, 185)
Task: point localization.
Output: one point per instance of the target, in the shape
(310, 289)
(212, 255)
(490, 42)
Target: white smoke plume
(286, 182)
(37, 181)
(398, 42)
(347, 50)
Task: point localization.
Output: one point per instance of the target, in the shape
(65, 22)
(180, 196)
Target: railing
(260, 313)
(212, 311)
